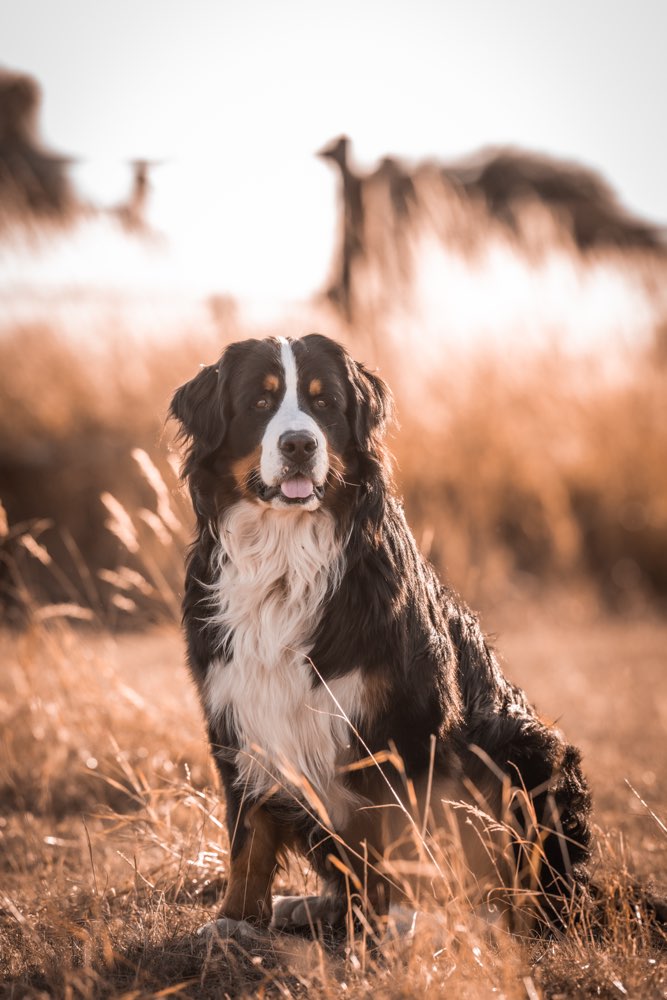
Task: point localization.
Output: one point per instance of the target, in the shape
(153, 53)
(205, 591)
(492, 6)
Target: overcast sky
(235, 97)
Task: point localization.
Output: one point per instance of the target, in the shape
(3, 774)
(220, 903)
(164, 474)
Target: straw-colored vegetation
(113, 850)
(516, 472)
(533, 489)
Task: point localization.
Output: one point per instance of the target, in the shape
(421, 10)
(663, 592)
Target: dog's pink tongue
(297, 489)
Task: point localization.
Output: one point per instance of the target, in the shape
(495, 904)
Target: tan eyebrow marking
(271, 383)
(315, 387)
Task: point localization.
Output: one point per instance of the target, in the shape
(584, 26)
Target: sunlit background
(470, 195)
(229, 103)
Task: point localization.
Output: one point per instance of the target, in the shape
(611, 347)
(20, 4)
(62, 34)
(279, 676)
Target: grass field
(112, 843)
(535, 484)
(519, 469)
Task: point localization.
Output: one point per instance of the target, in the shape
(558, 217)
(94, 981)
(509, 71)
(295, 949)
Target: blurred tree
(510, 179)
(352, 240)
(34, 186)
(133, 213)
(497, 191)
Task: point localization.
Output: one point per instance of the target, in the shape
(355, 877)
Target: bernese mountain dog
(355, 710)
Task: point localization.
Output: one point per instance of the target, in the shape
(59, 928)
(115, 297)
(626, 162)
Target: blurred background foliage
(530, 461)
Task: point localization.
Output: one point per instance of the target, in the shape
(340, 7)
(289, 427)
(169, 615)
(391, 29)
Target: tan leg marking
(364, 836)
(248, 894)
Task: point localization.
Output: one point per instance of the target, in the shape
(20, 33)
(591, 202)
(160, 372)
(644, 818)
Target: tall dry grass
(518, 473)
(112, 842)
(113, 851)
(533, 476)
(76, 423)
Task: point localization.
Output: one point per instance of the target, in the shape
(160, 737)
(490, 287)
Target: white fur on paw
(304, 911)
(226, 929)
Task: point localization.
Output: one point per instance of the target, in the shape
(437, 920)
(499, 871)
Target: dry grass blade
(120, 523)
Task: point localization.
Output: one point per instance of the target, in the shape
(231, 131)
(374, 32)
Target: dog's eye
(263, 403)
(320, 403)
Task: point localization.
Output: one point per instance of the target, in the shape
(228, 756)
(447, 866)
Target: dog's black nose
(297, 445)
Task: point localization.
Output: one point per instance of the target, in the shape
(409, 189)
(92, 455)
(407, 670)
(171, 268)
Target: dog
(355, 711)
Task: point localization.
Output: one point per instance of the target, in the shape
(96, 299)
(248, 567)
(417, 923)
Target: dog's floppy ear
(199, 406)
(372, 405)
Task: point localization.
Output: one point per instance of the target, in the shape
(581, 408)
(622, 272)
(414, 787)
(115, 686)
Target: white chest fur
(275, 569)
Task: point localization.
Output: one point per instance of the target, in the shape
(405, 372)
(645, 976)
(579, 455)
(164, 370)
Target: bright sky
(236, 95)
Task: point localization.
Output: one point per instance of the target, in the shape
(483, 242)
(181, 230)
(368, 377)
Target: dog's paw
(226, 929)
(305, 911)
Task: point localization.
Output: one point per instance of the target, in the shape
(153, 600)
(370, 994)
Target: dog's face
(281, 422)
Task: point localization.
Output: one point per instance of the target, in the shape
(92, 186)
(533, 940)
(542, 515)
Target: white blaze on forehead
(288, 361)
(289, 417)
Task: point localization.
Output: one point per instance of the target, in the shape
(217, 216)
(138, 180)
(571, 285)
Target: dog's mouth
(293, 490)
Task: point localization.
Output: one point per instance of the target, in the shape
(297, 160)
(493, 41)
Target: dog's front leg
(255, 842)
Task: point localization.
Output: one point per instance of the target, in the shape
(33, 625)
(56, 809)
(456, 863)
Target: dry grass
(517, 472)
(113, 848)
(526, 473)
(75, 422)
(112, 843)
(535, 488)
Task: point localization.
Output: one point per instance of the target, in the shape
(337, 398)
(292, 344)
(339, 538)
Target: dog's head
(288, 424)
